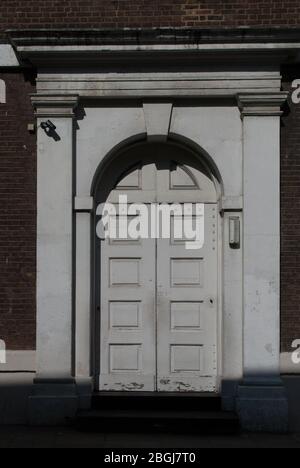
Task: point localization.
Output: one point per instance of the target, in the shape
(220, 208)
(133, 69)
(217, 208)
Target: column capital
(262, 104)
(54, 105)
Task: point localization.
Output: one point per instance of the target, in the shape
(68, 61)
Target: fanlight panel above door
(155, 173)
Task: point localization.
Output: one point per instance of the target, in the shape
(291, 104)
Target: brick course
(146, 13)
(17, 214)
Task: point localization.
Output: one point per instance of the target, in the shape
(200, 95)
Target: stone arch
(200, 155)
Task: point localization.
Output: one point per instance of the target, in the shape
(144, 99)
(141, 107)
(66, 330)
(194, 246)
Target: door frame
(112, 159)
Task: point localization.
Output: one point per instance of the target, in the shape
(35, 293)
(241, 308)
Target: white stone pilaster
(262, 403)
(54, 390)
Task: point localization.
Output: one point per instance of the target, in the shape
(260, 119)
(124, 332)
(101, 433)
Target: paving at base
(44, 437)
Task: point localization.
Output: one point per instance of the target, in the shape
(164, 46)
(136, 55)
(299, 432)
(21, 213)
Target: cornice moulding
(74, 46)
(54, 105)
(264, 104)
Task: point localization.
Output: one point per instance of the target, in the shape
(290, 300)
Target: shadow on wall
(15, 389)
(292, 384)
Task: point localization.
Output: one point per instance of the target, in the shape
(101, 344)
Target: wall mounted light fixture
(48, 126)
(50, 129)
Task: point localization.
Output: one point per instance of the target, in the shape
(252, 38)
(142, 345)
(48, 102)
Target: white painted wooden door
(187, 307)
(128, 341)
(128, 296)
(159, 300)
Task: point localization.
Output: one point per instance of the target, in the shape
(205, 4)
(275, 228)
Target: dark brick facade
(17, 214)
(146, 13)
(290, 217)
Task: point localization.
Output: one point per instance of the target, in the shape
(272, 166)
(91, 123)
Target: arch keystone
(158, 120)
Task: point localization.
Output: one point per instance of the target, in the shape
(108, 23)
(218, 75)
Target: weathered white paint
(128, 352)
(51, 403)
(188, 311)
(54, 242)
(166, 85)
(159, 301)
(261, 149)
(261, 245)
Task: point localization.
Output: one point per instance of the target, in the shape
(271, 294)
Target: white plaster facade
(230, 116)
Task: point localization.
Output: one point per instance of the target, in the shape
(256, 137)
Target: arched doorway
(158, 300)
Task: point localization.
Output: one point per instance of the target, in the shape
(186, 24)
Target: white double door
(159, 307)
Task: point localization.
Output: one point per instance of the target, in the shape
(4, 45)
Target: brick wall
(290, 218)
(17, 214)
(146, 13)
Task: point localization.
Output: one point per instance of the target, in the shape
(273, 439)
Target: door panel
(187, 313)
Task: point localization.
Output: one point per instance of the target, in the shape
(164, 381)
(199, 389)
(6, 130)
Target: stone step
(157, 401)
(180, 422)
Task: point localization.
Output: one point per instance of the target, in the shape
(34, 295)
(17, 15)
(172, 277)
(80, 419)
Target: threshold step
(157, 401)
(209, 423)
